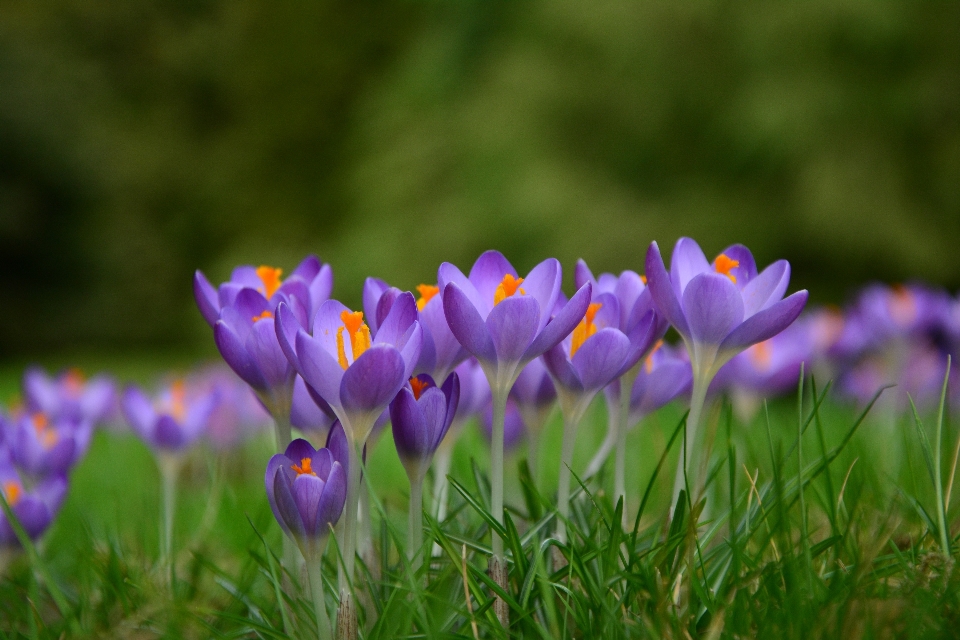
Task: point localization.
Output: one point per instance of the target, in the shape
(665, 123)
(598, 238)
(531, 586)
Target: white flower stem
(620, 456)
(415, 523)
(315, 575)
(701, 383)
(498, 565)
(169, 469)
(570, 423)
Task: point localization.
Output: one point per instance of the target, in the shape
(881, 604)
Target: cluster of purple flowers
(42, 439)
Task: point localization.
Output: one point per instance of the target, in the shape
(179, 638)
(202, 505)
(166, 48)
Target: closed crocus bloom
(719, 308)
(441, 351)
(43, 447)
(421, 415)
(306, 488)
(70, 395)
(310, 283)
(173, 421)
(34, 508)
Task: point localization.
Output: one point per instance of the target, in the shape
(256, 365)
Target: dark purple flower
(43, 447)
(355, 373)
(721, 308)
(34, 508)
(503, 320)
(306, 488)
(421, 415)
(174, 421)
(69, 395)
(310, 284)
(441, 352)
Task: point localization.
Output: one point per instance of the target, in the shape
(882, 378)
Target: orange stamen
(304, 468)
(359, 334)
(762, 355)
(585, 329)
(73, 381)
(643, 279)
(427, 292)
(178, 397)
(262, 316)
(418, 386)
(46, 435)
(723, 265)
(648, 363)
(507, 287)
(12, 491)
(270, 277)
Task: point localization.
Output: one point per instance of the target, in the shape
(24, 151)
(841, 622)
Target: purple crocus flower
(719, 309)
(441, 351)
(306, 488)
(42, 447)
(174, 421)
(421, 415)
(237, 416)
(34, 508)
(69, 395)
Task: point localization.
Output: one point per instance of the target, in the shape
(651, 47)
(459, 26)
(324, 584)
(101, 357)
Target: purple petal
(561, 369)
(451, 390)
(167, 434)
(666, 382)
(384, 306)
(543, 284)
(642, 337)
(746, 271)
(319, 370)
(138, 410)
(287, 326)
(561, 324)
(251, 304)
(99, 399)
(286, 506)
(488, 272)
(264, 348)
(402, 314)
(307, 489)
(305, 413)
(450, 274)
(299, 449)
(767, 288)
(713, 306)
(661, 289)
(410, 433)
(371, 382)
(321, 287)
(686, 262)
(447, 350)
(326, 324)
(628, 291)
(600, 358)
(235, 355)
(765, 324)
(40, 391)
(467, 324)
(33, 516)
(337, 443)
(582, 275)
(206, 297)
(332, 500)
(278, 462)
(433, 406)
(373, 289)
(512, 326)
(411, 344)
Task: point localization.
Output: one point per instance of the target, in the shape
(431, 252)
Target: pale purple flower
(174, 420)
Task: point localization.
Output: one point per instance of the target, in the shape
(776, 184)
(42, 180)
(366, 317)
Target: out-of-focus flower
(513, 426)
(771, 367)
(421, 415)
(440, 352)
(43, 447)
(237, 416)
(174, 420)
(70, 395)
(664, 376)
(306, 488)
(534, 395)
(34, 508)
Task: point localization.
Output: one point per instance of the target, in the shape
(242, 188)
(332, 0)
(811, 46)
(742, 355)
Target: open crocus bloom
(43, 447)
(723, 307)
(306, 488)
(174, 421)
(421, 415)
(629, 288)
(441, 352)
(355, 373)
(69, 395)
(34, 508)
(504, 320)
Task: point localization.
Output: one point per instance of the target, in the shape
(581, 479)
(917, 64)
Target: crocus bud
(421, 414)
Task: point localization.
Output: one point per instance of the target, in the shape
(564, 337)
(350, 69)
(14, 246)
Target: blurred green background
(140, 141)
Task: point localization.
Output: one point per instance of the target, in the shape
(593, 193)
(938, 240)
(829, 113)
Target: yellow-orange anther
(178, 400)
(585, 329)
(648, 363)
(12, 491)
(270, 277)
(46, 435)
(724, 264)
(359, 334)
(426, 291)
(304, 468)
(507, 287)
(762, 355)
(262, 316)
(643, 279)
(418, 386)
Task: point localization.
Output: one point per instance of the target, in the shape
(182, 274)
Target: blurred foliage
(140, 141)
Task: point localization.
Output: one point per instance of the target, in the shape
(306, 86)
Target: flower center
(724, 264)
(12, 492)
(270, 277)
(426, 294)
(762, 355)
(903, 305)
(46, 435)
(648, 363)
(178, 400)
(418, 386)
(304, 468)
(262, 316)
(359, 334)
(585, 329)
(73, 382)
(507, 287)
